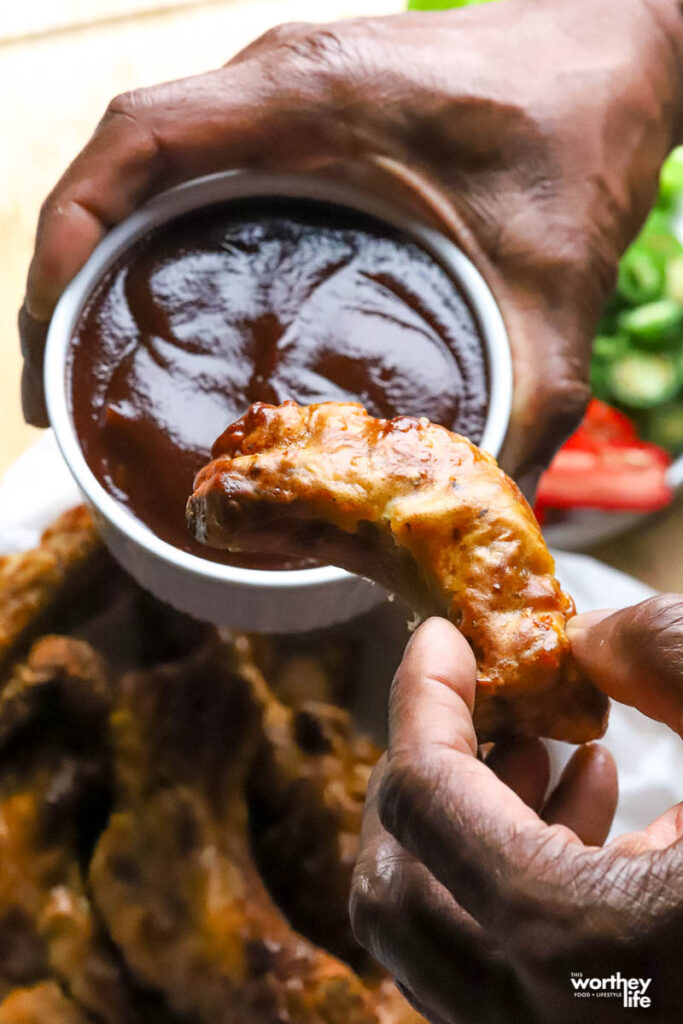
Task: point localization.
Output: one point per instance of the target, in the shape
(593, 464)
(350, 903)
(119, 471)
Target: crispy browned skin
(306, 791)
(425, 513)
(52, 771)
(70, 584)
(60, 672)
(306, 796)
(35, 582)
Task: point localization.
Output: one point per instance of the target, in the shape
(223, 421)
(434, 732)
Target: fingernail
(581, 756)
(429, 626)
(580, 624)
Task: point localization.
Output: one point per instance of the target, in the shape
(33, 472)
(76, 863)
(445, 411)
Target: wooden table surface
(59, 66)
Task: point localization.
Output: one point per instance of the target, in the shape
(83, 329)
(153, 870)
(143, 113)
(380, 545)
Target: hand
(532, 131)
(483, 900)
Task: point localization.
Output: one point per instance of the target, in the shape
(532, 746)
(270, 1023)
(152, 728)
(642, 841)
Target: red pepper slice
(603, 425)
(604, 466)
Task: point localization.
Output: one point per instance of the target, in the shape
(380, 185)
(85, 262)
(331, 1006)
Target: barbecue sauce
(260, 302)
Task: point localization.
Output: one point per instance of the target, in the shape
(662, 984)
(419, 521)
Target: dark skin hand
(480, 894)
(532, 131)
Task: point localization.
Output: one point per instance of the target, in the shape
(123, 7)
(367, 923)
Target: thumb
(636, 655)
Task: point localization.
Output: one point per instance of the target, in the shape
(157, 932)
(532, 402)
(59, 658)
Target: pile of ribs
(176, 841)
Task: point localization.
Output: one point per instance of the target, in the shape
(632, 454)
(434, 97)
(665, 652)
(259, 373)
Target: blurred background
(60, 64)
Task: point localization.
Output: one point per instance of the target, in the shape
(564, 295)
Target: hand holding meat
(496, 881)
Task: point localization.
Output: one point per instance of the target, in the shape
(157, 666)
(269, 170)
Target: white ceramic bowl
(256, 600)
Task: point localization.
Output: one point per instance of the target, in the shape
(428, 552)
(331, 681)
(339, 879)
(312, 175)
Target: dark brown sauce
(260, 301)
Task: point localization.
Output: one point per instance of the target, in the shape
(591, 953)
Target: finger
(33, 335)
(411, 925)
(103, 185)
(551, 345)
(585, 799)
(472, 832)
(388, 883)
(524, 766)
(664, 831)
(636, 655)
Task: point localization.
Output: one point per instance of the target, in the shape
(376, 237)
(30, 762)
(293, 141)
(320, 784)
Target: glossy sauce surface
(247, 302)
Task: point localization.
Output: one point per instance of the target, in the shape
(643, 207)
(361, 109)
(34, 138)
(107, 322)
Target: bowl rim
(223, 187)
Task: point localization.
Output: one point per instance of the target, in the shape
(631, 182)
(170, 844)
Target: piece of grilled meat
(425, 513)
(53, 720)
(49, 579)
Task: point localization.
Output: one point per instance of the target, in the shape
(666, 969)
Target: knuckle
(317, 45)
(567, 401)
(370, 907)
(662, 613)
(595, 264)
(135, 111)
(125, 103)
(380, 897)
(401, 793)
(554, 893)
(614, 910)
(139, 105)
(541, 860)
(324, 50)
(325, 63)
(559, 404)
(281, 35)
